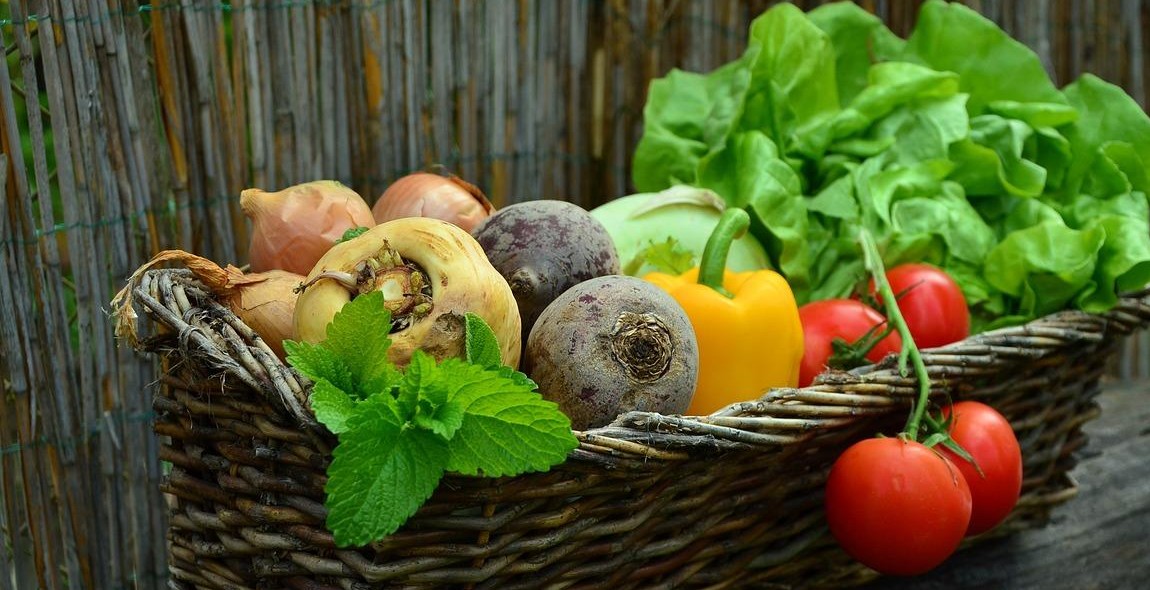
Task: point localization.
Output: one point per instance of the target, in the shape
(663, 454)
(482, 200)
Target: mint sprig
(399, 432)
(381, 472)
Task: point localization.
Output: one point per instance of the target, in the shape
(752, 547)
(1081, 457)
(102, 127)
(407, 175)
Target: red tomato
(990, 440)
(849, 319)
(896, 506)
(931, 302)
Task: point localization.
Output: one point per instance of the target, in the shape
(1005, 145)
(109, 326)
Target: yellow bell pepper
(746, 323)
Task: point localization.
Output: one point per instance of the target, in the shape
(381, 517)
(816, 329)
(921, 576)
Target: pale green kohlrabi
(667, 231)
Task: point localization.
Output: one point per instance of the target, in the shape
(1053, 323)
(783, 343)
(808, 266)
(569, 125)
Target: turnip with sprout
(544, 247)
(610, 345)
(431, 273)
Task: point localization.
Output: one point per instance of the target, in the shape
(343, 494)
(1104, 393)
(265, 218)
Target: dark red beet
(610, 345)
(543, 248)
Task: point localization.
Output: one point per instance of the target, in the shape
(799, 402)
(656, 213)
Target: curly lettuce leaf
(1045, 266)
(793, 86)
(1034, 199)
(1107, 116)
(991, 65)
(991, 161)
(859, 39)
(685, 116)
(750, 173)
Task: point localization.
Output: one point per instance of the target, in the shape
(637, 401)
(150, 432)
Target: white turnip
(431, 273)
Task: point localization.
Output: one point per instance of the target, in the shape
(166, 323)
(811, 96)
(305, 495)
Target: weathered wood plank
(71, 128)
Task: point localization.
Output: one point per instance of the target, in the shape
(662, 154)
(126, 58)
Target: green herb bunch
(399, 432)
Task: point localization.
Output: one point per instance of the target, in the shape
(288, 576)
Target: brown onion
(439, 196)
(265, 302)
(294, 227)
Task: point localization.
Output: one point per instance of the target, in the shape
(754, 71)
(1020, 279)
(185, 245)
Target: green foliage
(1035, 198)
(400, 431)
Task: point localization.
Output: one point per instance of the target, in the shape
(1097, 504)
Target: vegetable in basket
(902, 505)
(642, 225)
(747, 324)
(843, 334)
(431, 273)
(896, 505)
(294, 227)
(433, 194)
(613, 344)
(400, 429)
(931, 302)
(995, 473)
(263, 301)
(542, 248)
(1033, 198)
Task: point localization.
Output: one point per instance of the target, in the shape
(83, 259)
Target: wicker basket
(731, 500)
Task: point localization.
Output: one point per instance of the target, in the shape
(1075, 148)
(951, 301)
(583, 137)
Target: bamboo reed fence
(128, 127)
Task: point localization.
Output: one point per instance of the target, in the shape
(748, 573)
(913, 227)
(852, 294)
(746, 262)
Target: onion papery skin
(265, 302)
(427, 194)
(294, 227)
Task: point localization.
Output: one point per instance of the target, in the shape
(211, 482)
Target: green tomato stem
(873, 262)
(733, 223)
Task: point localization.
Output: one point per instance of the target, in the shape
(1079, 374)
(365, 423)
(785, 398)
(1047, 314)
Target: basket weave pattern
(729, 500)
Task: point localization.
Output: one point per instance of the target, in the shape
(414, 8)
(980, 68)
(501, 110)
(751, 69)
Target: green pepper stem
(733, 223)
(873, 262)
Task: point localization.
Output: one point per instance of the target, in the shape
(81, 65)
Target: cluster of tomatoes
(897, 505)
(902, 508)
(845, 333)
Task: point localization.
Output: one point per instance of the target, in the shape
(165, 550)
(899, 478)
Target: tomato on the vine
(931, 302)
(897, 506)
(988, 437)
(846, 319)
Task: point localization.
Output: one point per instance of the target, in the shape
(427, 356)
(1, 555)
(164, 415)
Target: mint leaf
(331, 406)
(463, 373)
(444, 420)
(507, 429)
(518, 378)
(420, 373)
(358, 334)
(352, 234)
(482, 344)
(397, 431)
(319, 363)
(381, 473)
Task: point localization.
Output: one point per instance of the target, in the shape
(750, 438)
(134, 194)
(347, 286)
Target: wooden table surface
(1098, 540)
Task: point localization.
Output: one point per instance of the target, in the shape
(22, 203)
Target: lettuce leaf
(1034, 198)
(991, 65)
(858, 38)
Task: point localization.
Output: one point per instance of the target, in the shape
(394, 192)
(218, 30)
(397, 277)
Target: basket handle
(211, 337)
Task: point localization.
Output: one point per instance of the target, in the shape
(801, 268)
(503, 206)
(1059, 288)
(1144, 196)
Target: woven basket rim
(780, 416)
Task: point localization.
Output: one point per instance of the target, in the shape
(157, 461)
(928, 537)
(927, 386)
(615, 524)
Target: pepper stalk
(733, 223)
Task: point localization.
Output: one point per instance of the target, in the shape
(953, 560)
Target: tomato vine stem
(872, 260)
